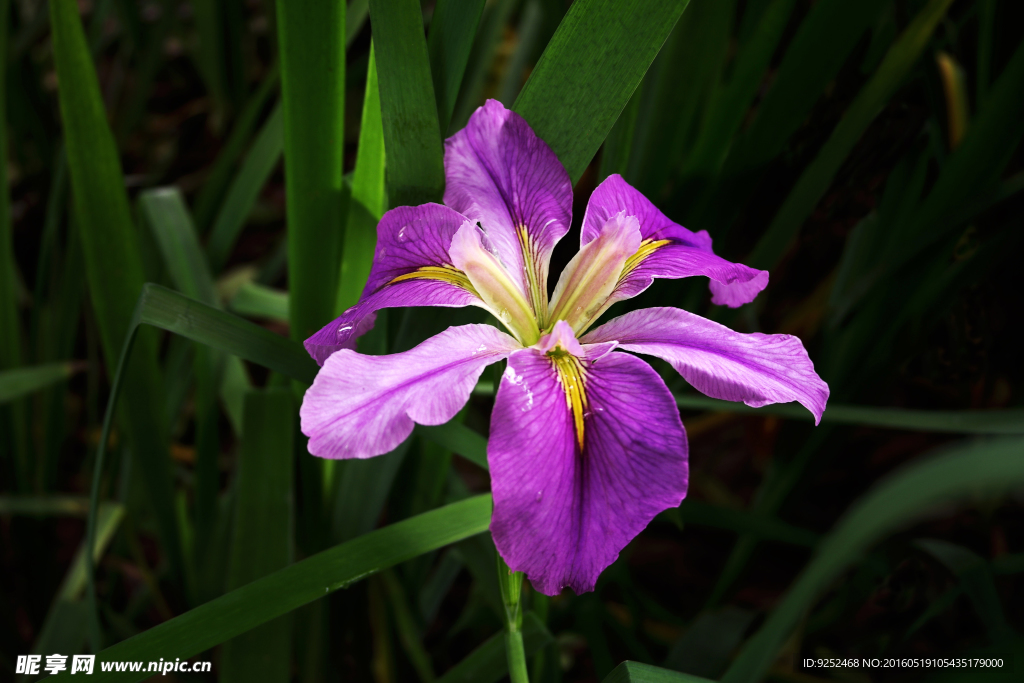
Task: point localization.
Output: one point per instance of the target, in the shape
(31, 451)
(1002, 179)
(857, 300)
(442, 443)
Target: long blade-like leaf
(312, 45)
(452, 30)
(368, 200)
(113, 264)
(412, 137)
(635, 672)
(301, 583)
(588, 72)
(263, 531)
(23, 381)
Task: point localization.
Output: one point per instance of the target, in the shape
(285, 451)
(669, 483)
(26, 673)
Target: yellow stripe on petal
(445, 273)
(572, 376)
(647, 247)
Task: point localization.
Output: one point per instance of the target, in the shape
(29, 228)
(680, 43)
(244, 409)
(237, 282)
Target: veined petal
(498, 172)
(411, 267)
(591, 276)
(757, 369)
(668, 249)
(492, 283)
(562, 512)
(360, 406)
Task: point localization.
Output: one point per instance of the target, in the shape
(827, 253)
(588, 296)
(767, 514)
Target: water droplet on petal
(401, 234)
(539, 495)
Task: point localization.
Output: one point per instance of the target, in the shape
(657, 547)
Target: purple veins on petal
(500, 174)
(668, 249)
(563, 511)
(361, 406)
(756, 369)
(411, 267)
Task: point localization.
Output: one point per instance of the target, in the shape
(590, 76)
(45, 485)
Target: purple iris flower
(586, 445)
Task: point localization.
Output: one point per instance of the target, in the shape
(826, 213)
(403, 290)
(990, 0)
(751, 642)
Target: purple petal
(360, 406)
(757, 369)
(411, 267)
(562, 514)
(669, 250)
(500, 174)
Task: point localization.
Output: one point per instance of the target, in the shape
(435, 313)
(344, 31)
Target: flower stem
(511, 584)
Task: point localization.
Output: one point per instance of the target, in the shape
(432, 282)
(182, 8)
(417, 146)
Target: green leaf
(452, 30)
(258, 301)
(10, 325)
(588, 72)
(262, 541)
(368, 201)
(43, 506)
(211, 193)
(458, 438)
(486, 664)
(24, 381)
(168, 217)
(303, 582)
(245, 188)
(635, 672)
(817, 177)
(412, 136)
(174, 312)
(961, 472)
(953, 421)
(312, 46)
(113, 264)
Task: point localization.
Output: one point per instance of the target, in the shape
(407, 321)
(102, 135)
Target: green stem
(511, 584)
(516, 655)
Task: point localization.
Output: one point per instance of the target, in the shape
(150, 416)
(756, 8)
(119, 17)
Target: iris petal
(563, 511)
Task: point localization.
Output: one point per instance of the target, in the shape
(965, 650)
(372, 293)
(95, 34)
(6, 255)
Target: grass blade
(368, 201)
(113, 265)
(588, 72)
(262, 541)
(458, 438)
(817, 177)
(212, 192)
(27, 380)
(245, 188)
(959, 473)
(312, 45)
(174, 312)
(167, 215)
(301, 583)
(259, 301)
(452, 31)
(412, 136)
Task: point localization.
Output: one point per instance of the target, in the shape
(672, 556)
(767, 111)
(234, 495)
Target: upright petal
(411, 267)
(593, 274)
(360, 406)
(668, 249)
(562, 511)
(500, 174)
(757, 369)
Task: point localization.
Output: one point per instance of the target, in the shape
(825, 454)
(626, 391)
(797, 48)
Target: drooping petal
(360, 406)
(757, 369)
(668, 249)
(411, 267)
(500, 174)
(562, 512)
(471, 254)
(591, 276)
